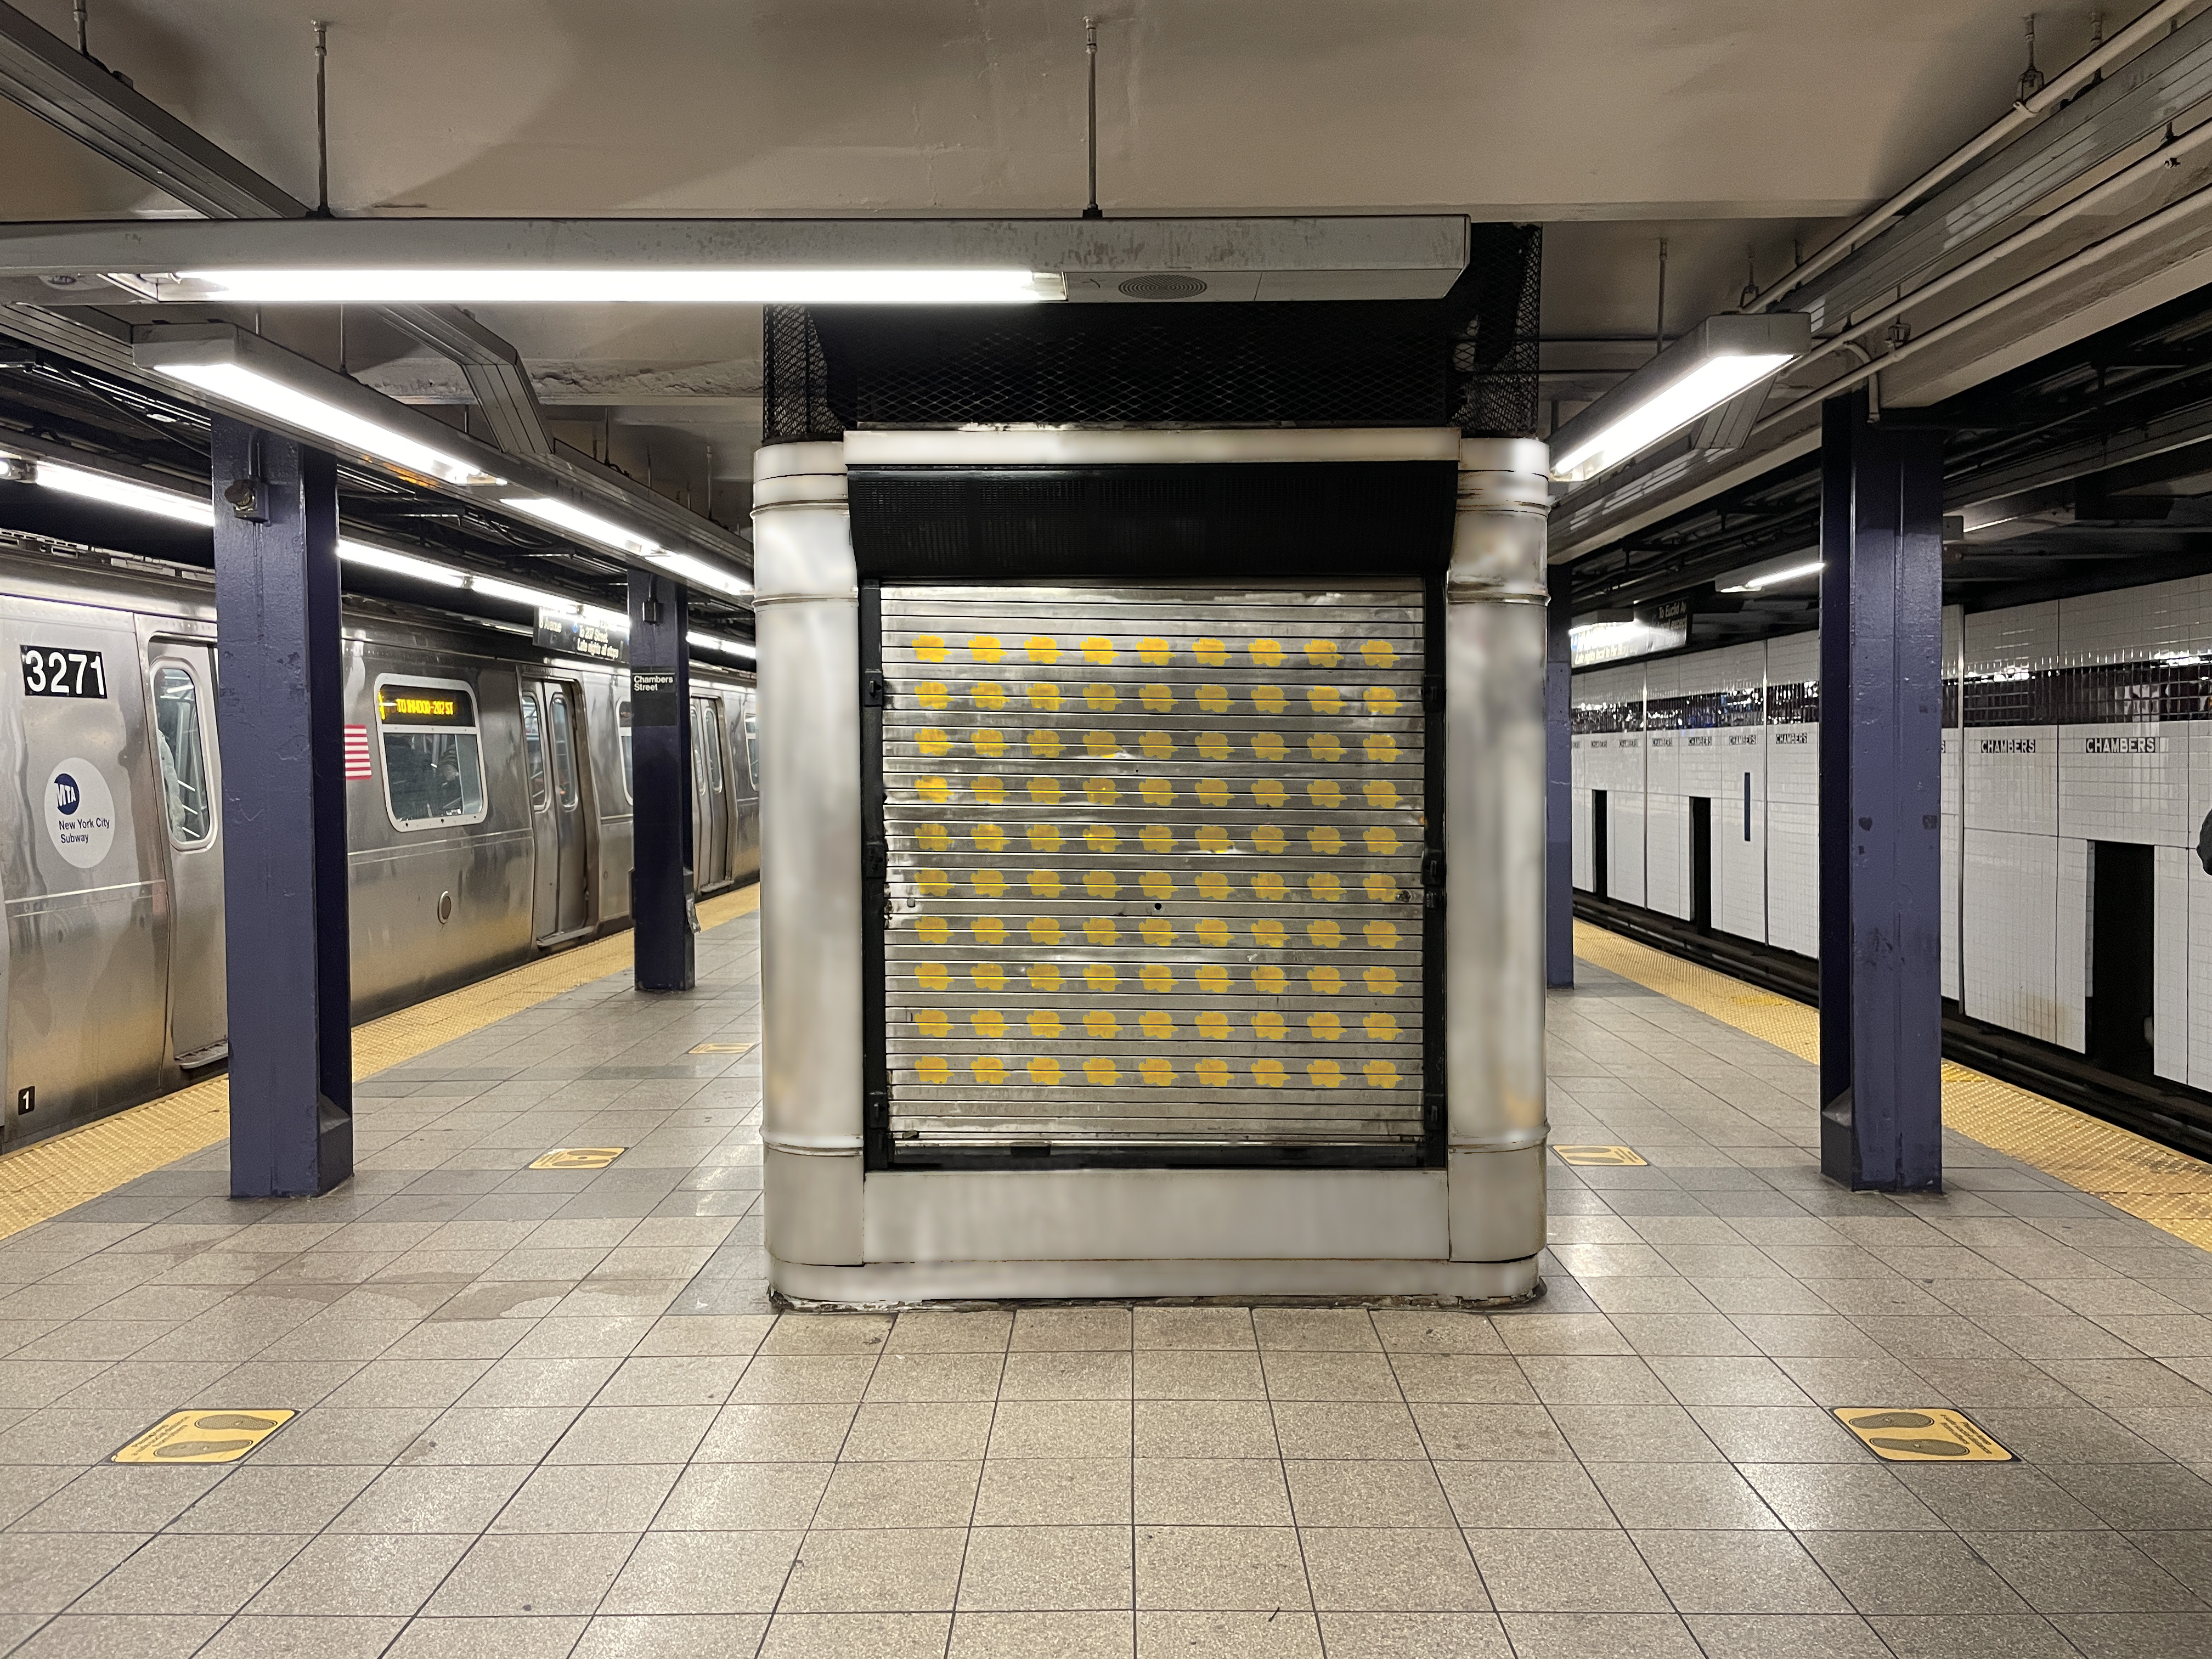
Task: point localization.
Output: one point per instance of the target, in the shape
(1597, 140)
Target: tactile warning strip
(2169, 1189)
(44, 1179)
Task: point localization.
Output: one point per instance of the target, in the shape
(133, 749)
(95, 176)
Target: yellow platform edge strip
(2171, 1190)
(42, 1181)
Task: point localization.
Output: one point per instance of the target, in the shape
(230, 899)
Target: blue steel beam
(661, 909)
(1881, 709)
(280, 700)
(1558, 802)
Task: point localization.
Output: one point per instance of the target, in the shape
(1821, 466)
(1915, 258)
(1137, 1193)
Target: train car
(2076, 812)
(487, 820)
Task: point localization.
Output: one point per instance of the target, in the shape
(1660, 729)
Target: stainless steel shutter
(1155, 864)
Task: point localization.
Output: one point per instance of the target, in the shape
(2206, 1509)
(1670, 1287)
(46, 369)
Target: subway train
(2077, 776)
(488, 818)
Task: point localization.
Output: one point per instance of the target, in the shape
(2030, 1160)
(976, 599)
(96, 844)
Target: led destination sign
(424, 705)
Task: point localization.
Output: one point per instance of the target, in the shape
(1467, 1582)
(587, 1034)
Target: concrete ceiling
(1728, 127)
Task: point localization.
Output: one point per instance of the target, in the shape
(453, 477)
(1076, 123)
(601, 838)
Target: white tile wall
(1740, 859)
(2008, 909)
(1794, 658)
(2012, 779)
(2012, 771)
(2071, 944)
(1666, 854)
(1624, 846)
(2021, 806)
(1585, 864)
(1954, 796)
(1793, 876)
(2199, 978)
(1662, 751)
(2171, 1001)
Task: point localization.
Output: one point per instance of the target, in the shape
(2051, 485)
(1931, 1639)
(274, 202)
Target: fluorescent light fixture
(1710, 364)
(121, 492)
(398, 564)
(699, 574)
(562, 515)
(536, 597)
(716, 643)
(540, 285)
(235, 383)
(1777, 572)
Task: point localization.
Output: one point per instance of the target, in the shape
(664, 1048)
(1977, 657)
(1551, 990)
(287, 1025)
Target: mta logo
(65, 792)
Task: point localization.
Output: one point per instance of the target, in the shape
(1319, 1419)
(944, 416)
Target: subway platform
(548, 1412)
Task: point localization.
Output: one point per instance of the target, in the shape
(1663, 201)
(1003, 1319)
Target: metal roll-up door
(1155, 864)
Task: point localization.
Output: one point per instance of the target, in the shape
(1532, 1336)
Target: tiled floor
(552, 1414)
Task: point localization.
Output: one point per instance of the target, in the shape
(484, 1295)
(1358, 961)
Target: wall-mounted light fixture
(1720, 358)
(1772, 573)
(237, 366)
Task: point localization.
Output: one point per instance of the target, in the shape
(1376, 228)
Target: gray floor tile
(915, 1569)
(1541, 1570)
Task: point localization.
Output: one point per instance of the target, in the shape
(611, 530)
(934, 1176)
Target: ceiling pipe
(2166, 155)
(2022, 115)
(77, 94)
(2073, 265)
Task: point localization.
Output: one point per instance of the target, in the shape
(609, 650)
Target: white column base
(904, 1284)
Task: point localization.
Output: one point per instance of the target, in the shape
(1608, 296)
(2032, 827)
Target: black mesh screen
(1467, 360)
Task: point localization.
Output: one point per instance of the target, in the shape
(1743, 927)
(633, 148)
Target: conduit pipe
(2022, 115)
(1495, 646)
(807, 637)
(2167, 154)
(2073, 265)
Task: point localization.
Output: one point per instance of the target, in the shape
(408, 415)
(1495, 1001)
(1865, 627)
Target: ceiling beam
(81, 96)
(84, 99)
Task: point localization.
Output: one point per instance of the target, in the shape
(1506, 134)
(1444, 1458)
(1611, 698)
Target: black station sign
(653, 692)
(574, 636)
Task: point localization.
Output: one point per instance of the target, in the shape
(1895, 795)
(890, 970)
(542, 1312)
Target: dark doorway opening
(1598, 859)
(2123, 889)
(1701, 861)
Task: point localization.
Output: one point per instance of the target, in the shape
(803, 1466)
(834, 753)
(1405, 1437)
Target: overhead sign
(1648, 629)
(577, 637)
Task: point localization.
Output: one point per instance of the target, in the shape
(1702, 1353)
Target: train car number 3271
(50, 672)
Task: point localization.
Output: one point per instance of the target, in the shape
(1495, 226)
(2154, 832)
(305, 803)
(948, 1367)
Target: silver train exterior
(487, 820)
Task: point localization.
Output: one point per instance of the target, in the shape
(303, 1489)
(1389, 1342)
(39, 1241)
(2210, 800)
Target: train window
(752, 741)
(564, 751)
(707, 738)
(629, 760)
(533, 751)
(184, 756)
(433, 761)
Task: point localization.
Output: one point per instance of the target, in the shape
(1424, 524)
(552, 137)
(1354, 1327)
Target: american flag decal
(356, 754)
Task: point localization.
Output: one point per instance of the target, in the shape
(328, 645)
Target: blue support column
(1881, 711)
(1558, 803)
(281, 716)
(661, 907)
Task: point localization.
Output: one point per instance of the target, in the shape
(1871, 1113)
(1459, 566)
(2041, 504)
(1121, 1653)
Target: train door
(710, 796)
(553, 748)
(180, 677)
